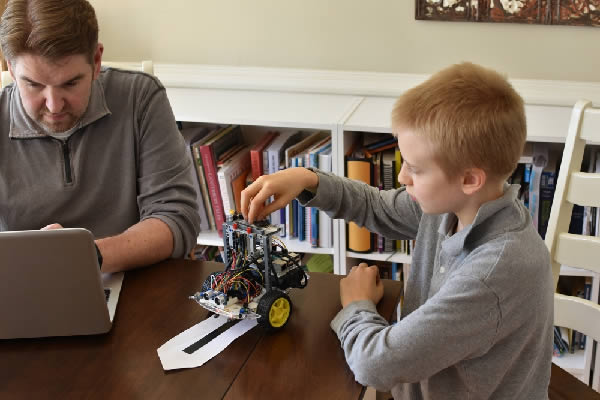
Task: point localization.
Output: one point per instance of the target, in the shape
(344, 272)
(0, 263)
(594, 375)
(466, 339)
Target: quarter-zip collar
(23, 127)
(454, 244)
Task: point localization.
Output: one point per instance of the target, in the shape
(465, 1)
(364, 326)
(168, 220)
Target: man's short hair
(50, 28)
(471, 115)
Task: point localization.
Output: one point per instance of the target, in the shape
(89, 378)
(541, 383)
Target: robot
(259, 272)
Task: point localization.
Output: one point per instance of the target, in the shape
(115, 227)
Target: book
(232, 168)
(192, 135)
(312, 212)
(540, 160)
(388, 165)
(546, 191)
(359, 239)
(210, 152)
(275, 152)
(256, 153)
(290, 153)
(325, 238)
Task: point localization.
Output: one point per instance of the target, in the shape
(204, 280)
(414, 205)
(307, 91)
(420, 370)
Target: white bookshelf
(258, 111)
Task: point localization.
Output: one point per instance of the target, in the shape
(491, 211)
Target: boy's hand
(285, 185)
(362, 283)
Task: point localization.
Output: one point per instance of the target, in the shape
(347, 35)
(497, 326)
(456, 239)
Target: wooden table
(304, 360)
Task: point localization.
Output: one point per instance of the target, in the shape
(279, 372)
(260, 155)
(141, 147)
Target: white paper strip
(173, 356)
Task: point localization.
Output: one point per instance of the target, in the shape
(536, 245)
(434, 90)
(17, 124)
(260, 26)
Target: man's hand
(284, 185)
(362, 283)
(51, 226)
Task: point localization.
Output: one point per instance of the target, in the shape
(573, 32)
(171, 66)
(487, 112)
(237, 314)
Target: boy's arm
(459, 322)
(388, 212)
(284, 185)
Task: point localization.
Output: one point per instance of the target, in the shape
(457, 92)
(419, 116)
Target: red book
(210, 152)
(256, 158)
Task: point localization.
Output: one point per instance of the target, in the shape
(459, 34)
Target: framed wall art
(555, 12)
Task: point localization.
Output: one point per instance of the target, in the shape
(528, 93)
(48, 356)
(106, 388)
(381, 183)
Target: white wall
(367, 35)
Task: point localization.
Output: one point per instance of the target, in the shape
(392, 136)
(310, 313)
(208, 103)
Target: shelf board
(304, 246)
(209, 238)
(572, 363)
(212, 238)
(275, 109)
(572, 271)
(400, 258)
(372, 115)
(390, 257)
(544, 123)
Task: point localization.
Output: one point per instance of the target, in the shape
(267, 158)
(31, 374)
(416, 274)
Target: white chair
(145, 66)
(575, 187)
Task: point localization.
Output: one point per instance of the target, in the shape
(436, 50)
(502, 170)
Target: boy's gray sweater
(477, 319)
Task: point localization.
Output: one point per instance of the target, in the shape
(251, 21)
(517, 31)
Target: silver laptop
(51, 285)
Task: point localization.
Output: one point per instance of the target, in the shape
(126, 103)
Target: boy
(477, 317)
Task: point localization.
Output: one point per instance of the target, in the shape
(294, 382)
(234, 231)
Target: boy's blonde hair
(471, 115)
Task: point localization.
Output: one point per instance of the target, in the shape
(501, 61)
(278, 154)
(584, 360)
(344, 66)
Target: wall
(379, 35)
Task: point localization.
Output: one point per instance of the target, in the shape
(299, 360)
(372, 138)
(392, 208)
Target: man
(85, 146)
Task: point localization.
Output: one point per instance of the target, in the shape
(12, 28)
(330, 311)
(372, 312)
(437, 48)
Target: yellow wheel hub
(279, 312)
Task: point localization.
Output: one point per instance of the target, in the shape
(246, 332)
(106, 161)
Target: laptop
(51, 285)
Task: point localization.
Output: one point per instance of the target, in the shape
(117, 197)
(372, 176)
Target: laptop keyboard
(107, 294)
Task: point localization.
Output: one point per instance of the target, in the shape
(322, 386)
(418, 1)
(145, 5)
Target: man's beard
(57, 127)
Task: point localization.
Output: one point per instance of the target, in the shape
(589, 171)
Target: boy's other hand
(284, 185)
(362, 283)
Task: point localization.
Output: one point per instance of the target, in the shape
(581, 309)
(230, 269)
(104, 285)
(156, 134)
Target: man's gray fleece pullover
(124, 161)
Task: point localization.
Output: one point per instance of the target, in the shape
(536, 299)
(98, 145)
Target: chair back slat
(590, 128)
(578, 251)
(584, 189)
(578, 314)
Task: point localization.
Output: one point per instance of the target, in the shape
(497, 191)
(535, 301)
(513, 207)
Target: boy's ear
(473, 180)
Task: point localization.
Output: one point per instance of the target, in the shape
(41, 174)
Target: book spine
(225, 193)
(214, 191)
(204, 225)
(256, 163)
(359, 238)
(204, 188)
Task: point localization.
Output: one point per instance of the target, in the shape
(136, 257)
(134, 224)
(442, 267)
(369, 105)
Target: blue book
(314, 212)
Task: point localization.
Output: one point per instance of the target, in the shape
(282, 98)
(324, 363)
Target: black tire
(275, 309)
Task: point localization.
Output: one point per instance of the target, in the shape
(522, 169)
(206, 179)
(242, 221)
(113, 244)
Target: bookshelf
(257, 112)
(345, 103)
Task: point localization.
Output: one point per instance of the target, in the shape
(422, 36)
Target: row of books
(225, 165)
(569, 340)
(222, 164)
(377, 162)
(538, 184)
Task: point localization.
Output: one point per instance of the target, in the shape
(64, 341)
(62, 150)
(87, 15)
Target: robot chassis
(244, 289)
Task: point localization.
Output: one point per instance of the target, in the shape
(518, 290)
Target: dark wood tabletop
(303, 360)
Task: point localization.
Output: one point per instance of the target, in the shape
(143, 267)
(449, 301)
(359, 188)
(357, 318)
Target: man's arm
(144, 243)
